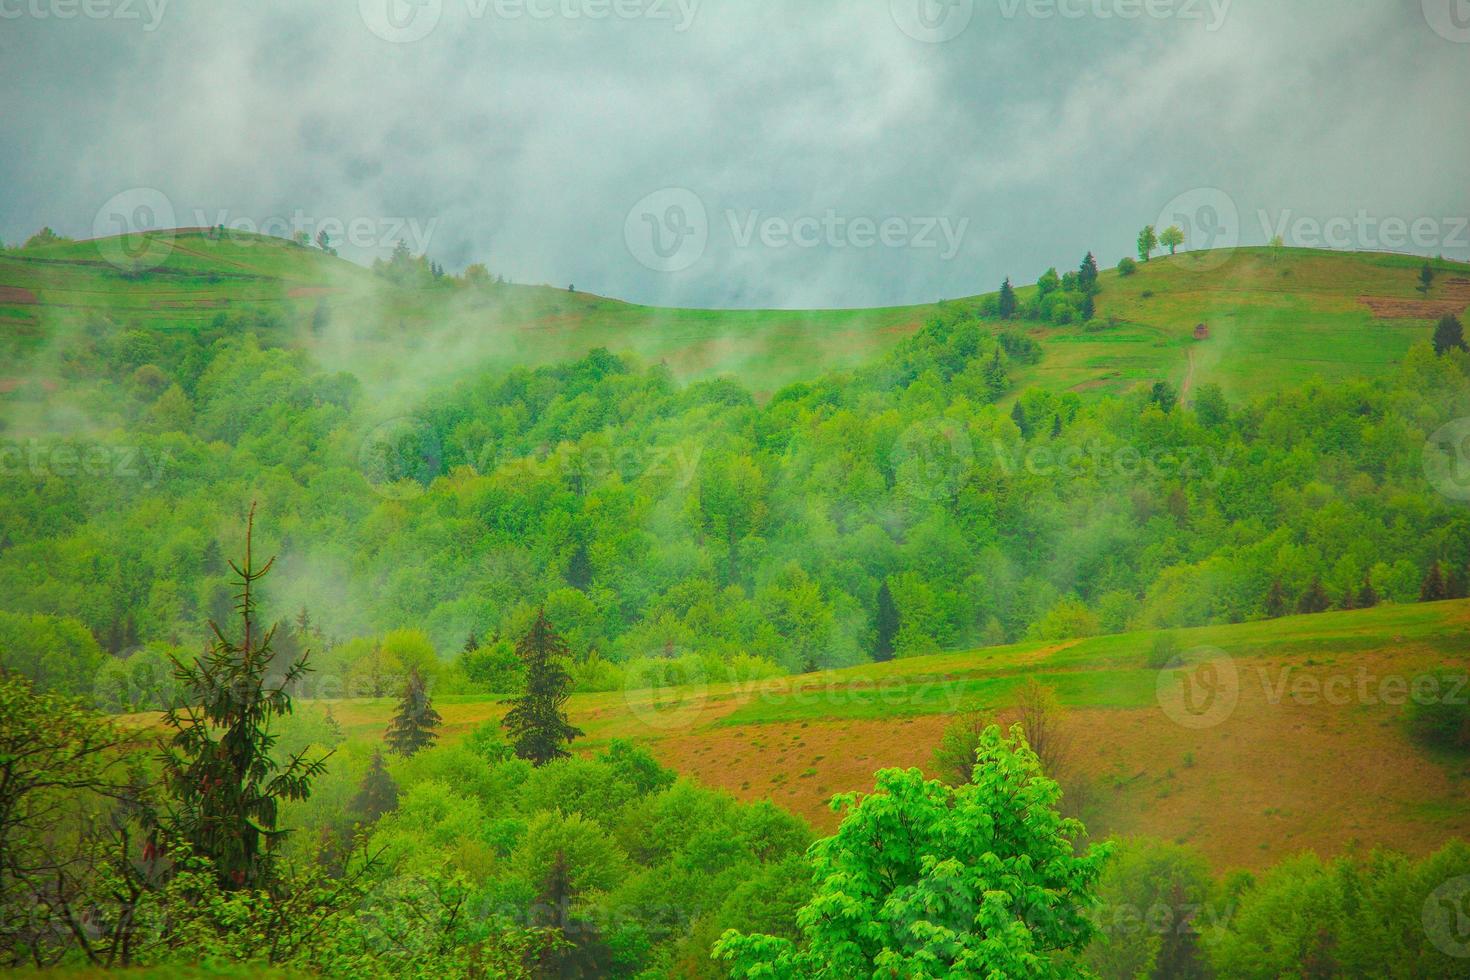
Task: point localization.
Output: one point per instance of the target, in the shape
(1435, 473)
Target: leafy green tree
(1367, 595)
(1449, 335)
(1171, 238)
(1006, 304)
(886, 624)
(1158, 913)
(954, 756)
(579, 568)
(1164, 395)
(1126, 266)
(413, 727)
(1049, 283)
(1210, 406)
(923, 879)
(1148, 240)
(218, 766)
(378, 793)
(537, 720)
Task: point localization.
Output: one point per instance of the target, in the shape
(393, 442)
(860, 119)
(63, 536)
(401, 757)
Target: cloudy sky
(739, 153)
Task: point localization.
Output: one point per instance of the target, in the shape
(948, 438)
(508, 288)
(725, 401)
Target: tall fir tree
(1088, 310)
(471, 643)
(1276, 600)
(1433, 587)
(414, 725)
(885, 624)
(1449, 334)
(579, 568)
(1367, 595)
(218, 765)
(378, 793)
(1006, 305)
(1087, 274)
(1314, 600)
(537, 720)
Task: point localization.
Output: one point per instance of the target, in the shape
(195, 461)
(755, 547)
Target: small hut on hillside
(1201, 332)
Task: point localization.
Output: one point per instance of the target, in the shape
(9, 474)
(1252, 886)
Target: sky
(731, 153)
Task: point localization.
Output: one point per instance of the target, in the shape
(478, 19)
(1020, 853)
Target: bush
(1127, 266)
(1439, 710)
(1166, 647)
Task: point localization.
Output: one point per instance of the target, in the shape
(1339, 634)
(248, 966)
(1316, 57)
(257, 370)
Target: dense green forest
(922, 503)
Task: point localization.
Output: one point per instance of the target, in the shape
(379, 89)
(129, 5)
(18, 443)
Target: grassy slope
(1277, 774)
(1275, 317)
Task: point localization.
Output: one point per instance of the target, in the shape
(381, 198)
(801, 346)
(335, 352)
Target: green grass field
(1275, 317)
(1303, 744)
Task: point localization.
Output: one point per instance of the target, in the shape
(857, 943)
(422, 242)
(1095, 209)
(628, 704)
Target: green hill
(1273, 316)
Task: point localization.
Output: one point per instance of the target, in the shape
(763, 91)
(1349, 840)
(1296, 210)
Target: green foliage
(1126, 266)
(1438, 710)
(926, 880)
(1159, 910)
(56, 653)
(414, 724)
(1449, 335)
(1148, 240)
(537, 720)
(1171, 238)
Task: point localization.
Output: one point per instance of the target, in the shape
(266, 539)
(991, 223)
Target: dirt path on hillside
(1188, 377)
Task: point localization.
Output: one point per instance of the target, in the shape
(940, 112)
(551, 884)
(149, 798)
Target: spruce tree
(471, 643)
(213, 561)
(1426, 278)
(1367, 595)
(886, 624)
(537, 720)
(579, 569)
(378, 793)
(1449, 335)
(1006, 306)
(1087, 274)
(1018, 416)
(1433, 588)
(1089, 308)
(217, 764)
(413, 727)
(1314, 600)
(1276, 601)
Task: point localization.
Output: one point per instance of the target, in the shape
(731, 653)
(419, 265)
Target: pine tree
(471, 643)
(886, 624)
(218, 765)
(212, 562)
(996, 378)
(1455, 586)
(1426, 278)
(378, 793)
(579, 569)
(334, 727)
(1448, 334)
(1089, 308)
(1018, 416)
(1367, 595)
(1433, 589)
(1006, 306)
(1276, 601)
(1087, 274)
(1349, 599)
(1056, 426)
(537, 721)
(413, 727)
(303, 624)
(1314, 600)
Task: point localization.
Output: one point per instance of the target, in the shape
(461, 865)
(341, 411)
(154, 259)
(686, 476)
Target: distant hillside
(1272, 316)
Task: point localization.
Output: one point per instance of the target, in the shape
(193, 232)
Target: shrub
(1126, 267)
(1438, 711)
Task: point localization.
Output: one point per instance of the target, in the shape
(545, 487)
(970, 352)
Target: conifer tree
(1006, 306)
(1314, 600)
(1087, 274)
(886, 624)
(1426, 278)
(378, 793)
(413, 727)
(537, 720)
(471, 643)
(213, 560)
(1433, 588)
(1367, 595)
(217, 765)
(579, 569)
(1276, 601)
(1088, 310)
(1449, 334)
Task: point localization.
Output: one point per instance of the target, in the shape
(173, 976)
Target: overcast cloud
(736, 153)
